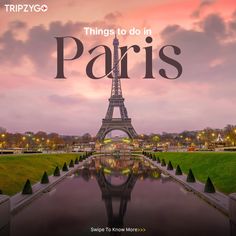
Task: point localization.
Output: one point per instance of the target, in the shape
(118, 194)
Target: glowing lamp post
(3, 142)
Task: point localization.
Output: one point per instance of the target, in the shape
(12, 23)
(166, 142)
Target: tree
(156, 139)
(45, 179)
(56, 171)
(169, 166)
(2, 130)
(71, 164)
(230, 134)
(55, 140)
(65, 168)
(190, 177)
(27, 188)
(178, 170)
(209, 187)
(86, 138)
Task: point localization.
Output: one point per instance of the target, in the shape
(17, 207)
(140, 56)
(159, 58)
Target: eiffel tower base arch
(116, 124)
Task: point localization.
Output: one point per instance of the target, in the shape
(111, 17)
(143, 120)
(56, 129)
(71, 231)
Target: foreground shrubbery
(221, 167)
(28, 166)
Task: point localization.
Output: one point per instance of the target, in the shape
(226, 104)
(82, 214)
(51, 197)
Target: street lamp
(23, 140)
(47, 144)
(3, 142)
(198, 140)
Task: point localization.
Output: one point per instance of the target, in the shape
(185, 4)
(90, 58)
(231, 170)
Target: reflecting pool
(119, 194)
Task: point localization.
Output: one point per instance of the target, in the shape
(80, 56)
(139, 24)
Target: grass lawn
(220, 167)
(16, 169)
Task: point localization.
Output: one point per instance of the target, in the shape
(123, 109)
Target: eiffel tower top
(116, 84)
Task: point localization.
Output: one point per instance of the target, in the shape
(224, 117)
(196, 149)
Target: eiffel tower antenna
(116, 100)
(116, 85)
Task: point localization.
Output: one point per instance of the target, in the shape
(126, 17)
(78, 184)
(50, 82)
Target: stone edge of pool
(217, 199)
(225, 204)
(19, 201)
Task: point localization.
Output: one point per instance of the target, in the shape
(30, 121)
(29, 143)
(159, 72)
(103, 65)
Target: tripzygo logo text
(26, 8)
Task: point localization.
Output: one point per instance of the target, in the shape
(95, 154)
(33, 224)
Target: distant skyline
(32, 100)
(113, 133)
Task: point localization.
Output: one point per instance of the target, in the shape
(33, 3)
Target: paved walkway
(217, 199)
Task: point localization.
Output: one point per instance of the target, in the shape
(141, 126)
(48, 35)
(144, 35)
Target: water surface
(119, 193)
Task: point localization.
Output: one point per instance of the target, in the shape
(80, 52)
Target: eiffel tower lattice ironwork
(116, 100)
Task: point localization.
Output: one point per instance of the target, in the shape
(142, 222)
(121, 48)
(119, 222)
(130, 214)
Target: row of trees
(206, 136)
(30, 140)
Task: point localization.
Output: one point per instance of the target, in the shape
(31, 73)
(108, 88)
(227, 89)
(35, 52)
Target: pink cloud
(204, 96)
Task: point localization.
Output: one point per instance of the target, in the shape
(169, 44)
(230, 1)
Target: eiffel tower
(116, 100)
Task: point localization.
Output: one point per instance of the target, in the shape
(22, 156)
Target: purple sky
(204, 96)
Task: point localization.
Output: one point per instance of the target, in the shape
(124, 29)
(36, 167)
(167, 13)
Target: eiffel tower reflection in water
(117, 195)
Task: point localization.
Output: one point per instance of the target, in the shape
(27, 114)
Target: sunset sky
(204, 96)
